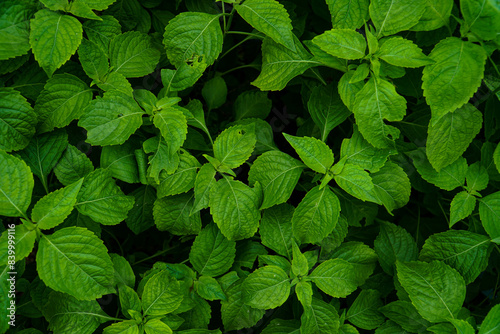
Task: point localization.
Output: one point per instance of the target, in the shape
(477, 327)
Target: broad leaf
(102, 32)
(209, 289)
(214, 92)
(172, 213)
(435, 289)
(266, 288)
(348, 91)
(252, 104)
(184, 76)
(112, 119)
(124, 275)
(235, 145)
(461, 207)
(364, 312)
(161, 159)
(402, 52)
(126, 326)
(102, 200)
(235, 208)
(316, 215)
(464, 251)
(477, 176)
(276, 229)
(24, 242)
(357, 182)
(236, 314)
(162, 294)
(270, 18)
(376, 103)
(17, 120)
(481, 18)
(192, 34)
(327, 109)
(406, 315)
(53, 30)
(394, 243)
(278, 173)
(72, 166)
(121, 162)
(313, 152)
(342, 43)
(436, 15)
(14, 30)
(454, 77)
(348, 14)
(62, 100)
(489, 211)
(75, 261)
(318, 318)
(212, 254)
(182, 179)
(140, 217)
(53, 208)
(392, 186)
(393, 16)
(94, 61)
(280, 65)
(490, 324)
(133, 54)
(205, 179)
(173, 127)
(449, 138)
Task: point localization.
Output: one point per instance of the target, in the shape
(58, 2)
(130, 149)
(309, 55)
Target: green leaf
(276, 229)
(489, 211)
(342, 43)
(280, 65)
(182, 179)
(214, 92)
(326, 108)
(102, 32)
(252, 104)
(364, 312)
(299, 262)
(455, 76)
(53, 208)
(348, 91)
(205, 179)
(94, 61)
(436, 15)
(266, 288)
(208, 288)
(264, 135)
(123, 327)
(278, 173)
(393, 16)
(313, 152)
(362, 256)
(140, 217)
(392, 186)
(133, 54)
(172, 213)
(406, 315)
(280, 326)
(348, 14)
(235, 208)
(162, 294)
(402, 52)
(235, 145)
(394, 243)
(481, 18)
(377, 102)
(123, 273)
(161, 159)
(75, 261)
(357, 182)
(337, 277)
(120, 161)
(102, 200)
(435, 289)
(448, 178)
(72, 166)
(477, 177)
(212, 254)
(63, 99)
(319, 318)
(14, 31)
(66, 314)
(54, 31)
(235, 313)
(324, 58)
(490, 323)
(24, 242)
(184, 76)
(358, 151)
(112, 119)
(115, 81)
(316, 215)
(464, 251)
(269, 17)
(173, 127)
(461, 207)
(304, 293)
(17, 120)
(449, 138)
(192, 34)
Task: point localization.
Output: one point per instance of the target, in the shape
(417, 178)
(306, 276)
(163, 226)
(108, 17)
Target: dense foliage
(253, 166)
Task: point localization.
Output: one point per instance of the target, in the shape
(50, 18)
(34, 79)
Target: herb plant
(250, 166)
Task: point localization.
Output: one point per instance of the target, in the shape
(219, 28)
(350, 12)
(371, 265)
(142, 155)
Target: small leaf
(54, 31)
(266, 288)
(320, 317)
(172, 213)
(490, 323)
(24, 242)
(269, 17)
(406, 315)
(357, 182)
(342, 43)
(477, 177)
(214, 92)
(235, 145)
(15, 17)
(75, 261)
(435, 289)
(392, 186)
(94, 61)
(347, 14)
(252, 104)
(184, 76)
(461, 207)
(102, 32)
(208, 288)
(140, 217)
(402, 52)
(364, 311)
(299, 262)
(162, 294)
(489, 211)
(481, 18)
(173, 127)
(161, 159)
(313, 152)
(393, 16)
(72, 166)
(236, 314)
(205, 179)
(182, 179)
(436, 15)
(276, 229)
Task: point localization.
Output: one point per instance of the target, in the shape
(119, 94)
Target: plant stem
(245, 33)
(240, 67)
(153, 256)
